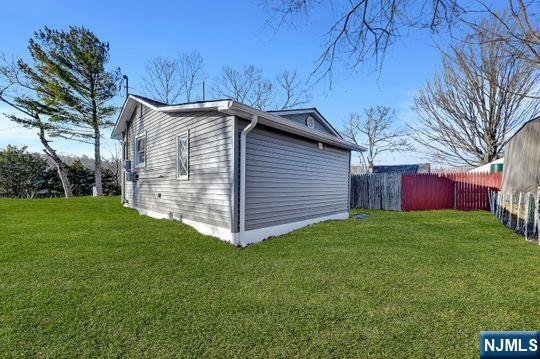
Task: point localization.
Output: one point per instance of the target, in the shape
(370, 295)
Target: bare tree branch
(364, 29)
(246, 86)
(191, 73)
(162, 80)
(294, 93)
(518, 27)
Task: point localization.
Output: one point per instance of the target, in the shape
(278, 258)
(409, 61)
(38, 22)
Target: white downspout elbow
(243, 135)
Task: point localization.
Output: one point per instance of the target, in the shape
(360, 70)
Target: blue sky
(225, 33)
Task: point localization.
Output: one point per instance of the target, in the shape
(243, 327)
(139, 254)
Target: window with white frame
(140, 151)
(182, 156)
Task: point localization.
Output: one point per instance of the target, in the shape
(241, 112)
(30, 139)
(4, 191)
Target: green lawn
(85, 277)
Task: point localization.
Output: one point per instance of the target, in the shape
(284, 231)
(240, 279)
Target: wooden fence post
(455, 194)
(537, 214)
(510, 211)
(527, 214)
(499, 205)
(518, 220)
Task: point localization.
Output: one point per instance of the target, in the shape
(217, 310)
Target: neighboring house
(416, 168)
(230, 170)
(491, 167)
(522, 159)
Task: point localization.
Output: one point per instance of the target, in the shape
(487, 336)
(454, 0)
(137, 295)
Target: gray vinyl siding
(207, 196)
(300, 118)
(521, 171)
(289, 179)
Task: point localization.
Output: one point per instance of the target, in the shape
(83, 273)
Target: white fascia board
(128, 106)
(200, 106)
(121, 122)
(144, 102)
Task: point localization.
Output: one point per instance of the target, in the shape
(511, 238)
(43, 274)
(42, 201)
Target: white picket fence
(520, 212)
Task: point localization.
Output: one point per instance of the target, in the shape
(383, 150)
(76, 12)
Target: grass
(85, 277)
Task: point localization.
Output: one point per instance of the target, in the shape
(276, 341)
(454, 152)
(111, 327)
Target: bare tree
(191, 73)
(294, 92)
(376, 131)
(170, 79)
(247, 86)
(468, 110)
(19, 92)
(162, 79)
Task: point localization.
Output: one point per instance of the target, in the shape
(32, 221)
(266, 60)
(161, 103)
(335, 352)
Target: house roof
(150, 101)
(312, 111)
(230, 107)
(416, 168)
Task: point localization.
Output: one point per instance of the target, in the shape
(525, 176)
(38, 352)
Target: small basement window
(310, 122)
(182, 156)
(140, 151)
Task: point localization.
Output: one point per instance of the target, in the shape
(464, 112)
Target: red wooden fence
(462, 191)
(426, 191)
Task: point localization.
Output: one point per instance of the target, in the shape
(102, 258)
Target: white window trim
(143, 164)
(186, 176)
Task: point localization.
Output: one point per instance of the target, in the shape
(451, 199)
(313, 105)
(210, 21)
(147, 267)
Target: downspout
(243, 135)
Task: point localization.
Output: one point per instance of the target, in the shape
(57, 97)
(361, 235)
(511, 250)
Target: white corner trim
(258, 235)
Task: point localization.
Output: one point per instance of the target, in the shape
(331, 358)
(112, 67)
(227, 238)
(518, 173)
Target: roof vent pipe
(243, 135)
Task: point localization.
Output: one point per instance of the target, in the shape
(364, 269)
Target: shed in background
(522, 159)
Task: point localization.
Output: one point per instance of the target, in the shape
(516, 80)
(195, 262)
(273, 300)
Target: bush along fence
(412, 192)
(520, 212)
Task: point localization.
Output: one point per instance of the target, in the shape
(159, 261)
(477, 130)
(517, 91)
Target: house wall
(289, 179)
(207, 196)
(522, 160)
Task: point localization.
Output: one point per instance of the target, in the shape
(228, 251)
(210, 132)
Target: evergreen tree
(70, 68)
(21, 174)
(111, 185)
(81, 177)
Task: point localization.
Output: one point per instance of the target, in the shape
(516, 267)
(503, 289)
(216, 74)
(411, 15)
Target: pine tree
(21, 173)
(70, 68)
